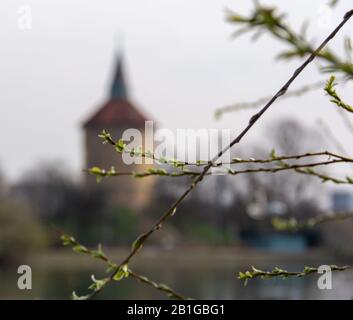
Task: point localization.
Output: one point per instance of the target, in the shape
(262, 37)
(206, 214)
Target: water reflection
(206, 283)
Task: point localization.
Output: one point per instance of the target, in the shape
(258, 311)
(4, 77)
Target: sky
(181, 64)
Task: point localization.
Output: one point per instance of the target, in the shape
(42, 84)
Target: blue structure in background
(278, 242)
(342, 201)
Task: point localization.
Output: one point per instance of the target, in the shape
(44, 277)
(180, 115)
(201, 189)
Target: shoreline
(179, 257)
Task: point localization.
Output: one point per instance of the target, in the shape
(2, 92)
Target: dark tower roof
(117, 111)
(118, 88)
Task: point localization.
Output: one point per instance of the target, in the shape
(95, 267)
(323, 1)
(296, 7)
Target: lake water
(195, 280)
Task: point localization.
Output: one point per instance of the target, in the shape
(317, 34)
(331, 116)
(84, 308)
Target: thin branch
(120, 147)
(278, 272)
(159, 286)
(219, 112)
(323, 177)
(293, 224)
(200, 163)
(267, 19)
(283, 166)
(124, 272)
(331, 91)
(335, 98)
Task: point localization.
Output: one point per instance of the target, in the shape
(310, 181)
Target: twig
(331, 91)
(278, 272)
(293, 224)
(219, 112)
(323, 177)
(124, 271)
(268, 19)
(161, 287)
(100, 173)
(335, 98)
(273, 158)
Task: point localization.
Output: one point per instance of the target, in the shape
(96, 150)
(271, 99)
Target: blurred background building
(116, 115)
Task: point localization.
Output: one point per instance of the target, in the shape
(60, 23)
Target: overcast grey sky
(180, 60)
